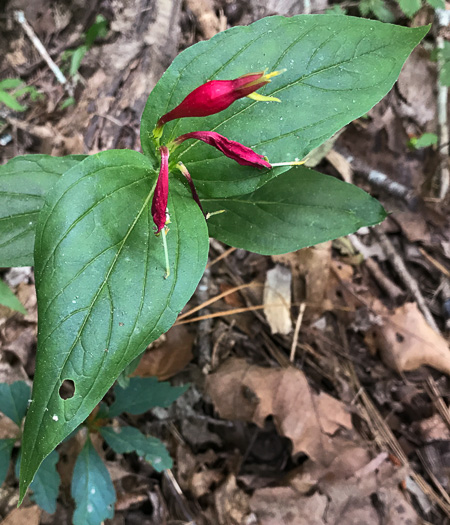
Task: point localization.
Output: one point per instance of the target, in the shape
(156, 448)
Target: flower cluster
(207, 99)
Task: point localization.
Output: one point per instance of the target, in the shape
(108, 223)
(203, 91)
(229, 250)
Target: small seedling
(92, 488)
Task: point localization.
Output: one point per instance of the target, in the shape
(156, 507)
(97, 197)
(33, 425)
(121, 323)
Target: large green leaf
(24, 181)
(14, 399)
(92, 488)
(299, 208)
(337, 68)
(102, 295)
(144, 393)
(130, 439)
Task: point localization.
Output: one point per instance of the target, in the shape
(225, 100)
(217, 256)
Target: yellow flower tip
(268, 76)
(208, 215)
(262, 98)
(293, 163)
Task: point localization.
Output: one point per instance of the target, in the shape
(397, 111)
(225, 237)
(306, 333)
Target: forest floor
(331, 409)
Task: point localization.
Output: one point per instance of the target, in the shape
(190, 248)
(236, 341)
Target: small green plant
(424, 141)
(11, 89)
(92, 489)
(8, 298)
(107, 283)
(378, 9)
(99, 29)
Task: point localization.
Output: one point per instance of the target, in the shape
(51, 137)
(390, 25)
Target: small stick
(405, 276)
(443, 181)
(226, 253)
(298, 325)
(20, 18)
(381, 180)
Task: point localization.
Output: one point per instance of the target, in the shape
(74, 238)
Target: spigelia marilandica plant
(106, 288)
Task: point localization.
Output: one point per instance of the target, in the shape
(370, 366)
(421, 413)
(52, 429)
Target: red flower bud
(160, 197)
(217, 95)
(232, 149)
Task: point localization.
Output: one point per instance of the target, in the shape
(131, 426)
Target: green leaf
(382, 11)
(410, 7)
(76, 59)
(46, 483)
(436, 4)
(10, 83)
(92, 488)
(337, 68)
(144, 393)
(297, 209)
(130, 439)
(14, 400)
(70, 101)
(424, 141)
(7, 298)
(11, 101)
(102, 295)
(6, 448)
(99, 29)
(24, 181)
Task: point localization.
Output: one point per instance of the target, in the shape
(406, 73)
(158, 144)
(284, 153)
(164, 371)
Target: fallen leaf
(277, 299)
(337, 499)
(310, 273)
(341, 164)
(406, 341)
(29, 515)
(171, 353)
(252, 393)
(277, 505)
(232, 504)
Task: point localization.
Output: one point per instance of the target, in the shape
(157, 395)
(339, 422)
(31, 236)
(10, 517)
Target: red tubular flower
(217, 95)
(159, 202)
(232, 149)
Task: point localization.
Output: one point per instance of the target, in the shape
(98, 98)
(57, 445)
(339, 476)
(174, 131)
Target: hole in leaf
(67, 389)
(399, 337)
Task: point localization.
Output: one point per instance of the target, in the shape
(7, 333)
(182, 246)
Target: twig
(394, 291)
(443, 173)
(216, 298)
(298, 325)
(405, 276)
(205, 326)
(20, 17)
(226, 253)
(178, 494)
(381, 180)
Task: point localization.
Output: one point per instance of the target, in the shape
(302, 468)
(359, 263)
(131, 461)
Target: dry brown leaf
(277, 299)
(416, 84)
(406, 341)
(341, 164)
(310, 273)
(209, 23)
(338, 499)
(29, 515)
(169, 357)
(232, 504)
(274, 506)
(252, 393)
(413, 225)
